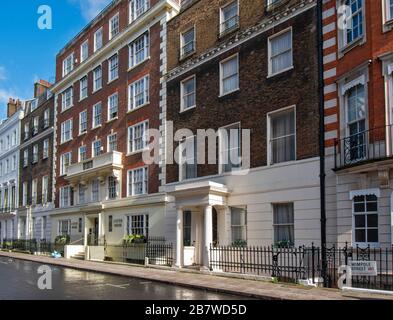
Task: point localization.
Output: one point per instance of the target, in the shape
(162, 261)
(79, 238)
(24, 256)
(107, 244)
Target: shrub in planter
(135, 238)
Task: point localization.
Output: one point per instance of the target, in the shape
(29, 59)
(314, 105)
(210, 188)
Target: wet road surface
(18, 281)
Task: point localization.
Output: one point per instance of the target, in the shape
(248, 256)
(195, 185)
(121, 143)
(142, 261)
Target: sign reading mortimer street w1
(364, 268)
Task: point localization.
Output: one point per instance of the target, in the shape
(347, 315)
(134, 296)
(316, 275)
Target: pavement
(251, 288)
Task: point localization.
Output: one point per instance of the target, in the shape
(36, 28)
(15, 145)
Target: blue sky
(28, 53)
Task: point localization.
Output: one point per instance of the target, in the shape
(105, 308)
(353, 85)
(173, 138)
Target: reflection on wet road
(18, 280)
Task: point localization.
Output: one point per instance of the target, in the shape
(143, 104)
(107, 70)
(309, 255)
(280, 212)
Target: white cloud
(2, 73)
(90, 8)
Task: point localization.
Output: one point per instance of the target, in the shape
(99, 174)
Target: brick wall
(258, 94)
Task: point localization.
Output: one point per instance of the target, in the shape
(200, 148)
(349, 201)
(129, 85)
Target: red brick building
(108, 93)
(358, 94)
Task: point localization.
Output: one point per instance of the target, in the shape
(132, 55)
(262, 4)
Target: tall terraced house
(9, 173)
(107, 95)
(247, 70)
(358, 94)
(36, 165)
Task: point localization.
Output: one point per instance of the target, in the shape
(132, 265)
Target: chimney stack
(40, 87)
(13, 106)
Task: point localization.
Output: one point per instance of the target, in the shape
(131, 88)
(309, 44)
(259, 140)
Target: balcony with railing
(364, 148)
(100, 166)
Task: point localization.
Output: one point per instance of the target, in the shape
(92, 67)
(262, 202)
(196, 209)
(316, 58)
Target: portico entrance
(201, 213)
(93, 230)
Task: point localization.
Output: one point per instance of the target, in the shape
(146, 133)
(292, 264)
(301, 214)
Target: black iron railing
(32, 246)
(362, 147)
(156, 250)
(305, 263)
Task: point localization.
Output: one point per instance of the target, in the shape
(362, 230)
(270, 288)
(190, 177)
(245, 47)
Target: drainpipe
(322, 174)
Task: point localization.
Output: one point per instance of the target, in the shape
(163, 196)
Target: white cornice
(82, 69)
(242, 37)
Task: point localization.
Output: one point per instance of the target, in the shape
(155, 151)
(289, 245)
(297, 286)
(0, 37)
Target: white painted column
(208, 234)
(86, 231)
(101, 227)
(179, 239)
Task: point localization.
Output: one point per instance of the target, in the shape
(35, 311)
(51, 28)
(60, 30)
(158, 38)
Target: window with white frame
(238, 225)
(45, 149)
(365, 219)
(138, 181)
(112, 142)
(113, 63)
(34, 104)
(66, 131)
(83, 88)
(138, 225)
(139, 50)
(45, 190)
(97, 78)
(353, 28)
(83, 122)
(187, 42)
(188, 93)
(26, 134)
(113, 106)
(356, 123)
(24, 194)
(97, 110)
(13, 142)
(282, 136)
(98, 40)
(43, 227)
(65, 196)
(82, 153)
(137, 8)
(280, 52)
(25, 157)
(95, 190)
(36, 121)
(65, 161)
(283, 224)
(389, 10)
(96, 148)
(138, 93)
(112, 187)
(229, 18)
(68, 64)
(64, 227)
(137, 137)
(67, 99)
(188, 159)
(34, 188)
(13, 167)
(82, 194)
(230, 147)
(46, 118)
(229, 75)
(35, 153)
(84, 50)
(114, 26)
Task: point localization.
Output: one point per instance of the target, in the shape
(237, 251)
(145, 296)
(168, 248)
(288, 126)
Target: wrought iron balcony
(99, 166)
(363, 148)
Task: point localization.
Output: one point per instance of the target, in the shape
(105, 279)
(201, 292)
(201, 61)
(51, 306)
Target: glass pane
(372, 206)
(360, 221)
(360, 235)
(359, 207)
(372, 235)
(283, 213)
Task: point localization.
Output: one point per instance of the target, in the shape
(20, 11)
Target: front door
(95, 231)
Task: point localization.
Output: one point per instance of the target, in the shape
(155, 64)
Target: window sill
(229, 93)
(182, 111)
(95, 91)
(272, 75)
(186, 56)
(82, 134)
(136, 152)
(64, 142)
(358, 42)
(81, 99)
(137, 108)
(138, 64)
(113, 80)
(65, 109)
(96, 127)
(112, 120)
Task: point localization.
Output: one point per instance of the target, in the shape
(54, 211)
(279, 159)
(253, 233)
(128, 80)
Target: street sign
(364, 268)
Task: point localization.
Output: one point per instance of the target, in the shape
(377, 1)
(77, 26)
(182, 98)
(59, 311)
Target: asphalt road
(19, 281)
